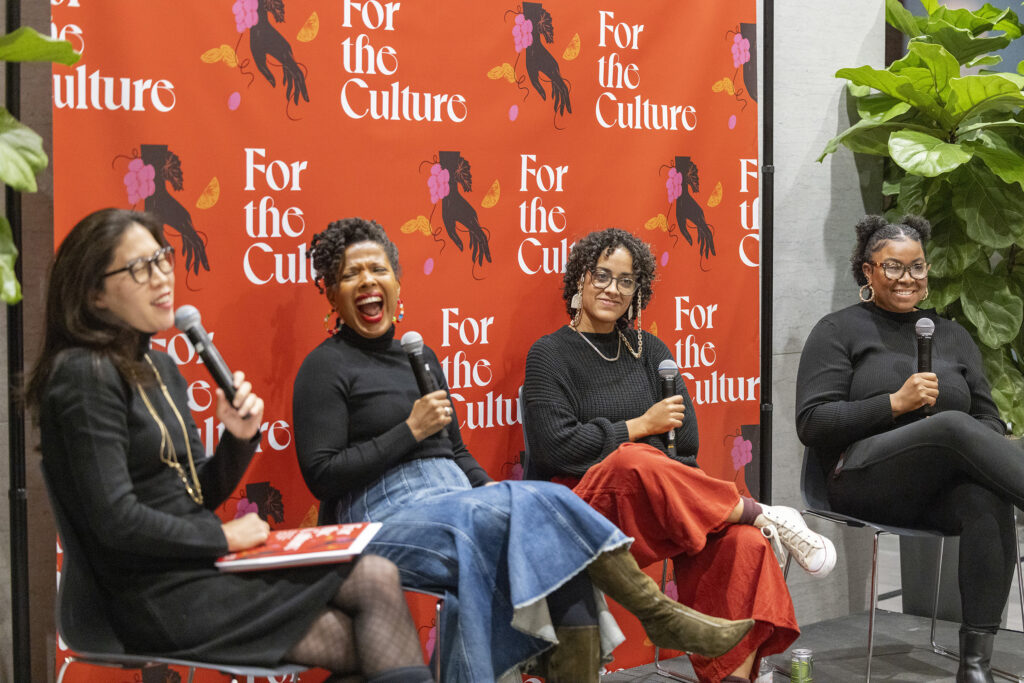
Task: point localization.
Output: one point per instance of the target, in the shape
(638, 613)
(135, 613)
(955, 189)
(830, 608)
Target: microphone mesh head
(412, 342)
(186, 316)
(667, 369)
(925, 327)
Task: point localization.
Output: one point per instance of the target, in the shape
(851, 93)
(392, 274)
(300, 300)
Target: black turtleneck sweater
(352, 397)
(577, 403)
(854, 358)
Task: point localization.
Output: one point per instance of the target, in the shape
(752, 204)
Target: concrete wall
(816, 207)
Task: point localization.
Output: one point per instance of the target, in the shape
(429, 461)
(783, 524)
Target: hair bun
(868, 226)
(920, 224)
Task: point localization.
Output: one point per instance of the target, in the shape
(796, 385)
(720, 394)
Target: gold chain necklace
(598, 351)
(167, 454)
(639, 343)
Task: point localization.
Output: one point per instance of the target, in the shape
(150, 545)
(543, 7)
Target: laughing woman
(517, 561)
(596, 421)
(121, 450)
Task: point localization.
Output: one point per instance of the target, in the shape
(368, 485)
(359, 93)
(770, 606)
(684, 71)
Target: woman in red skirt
(596, 421)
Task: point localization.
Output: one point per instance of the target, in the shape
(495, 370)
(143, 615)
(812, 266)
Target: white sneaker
(811, 550)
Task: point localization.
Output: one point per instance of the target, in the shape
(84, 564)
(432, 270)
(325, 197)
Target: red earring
(401, 312)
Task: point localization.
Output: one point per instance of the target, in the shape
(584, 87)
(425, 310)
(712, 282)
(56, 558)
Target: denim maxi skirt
(494, 551)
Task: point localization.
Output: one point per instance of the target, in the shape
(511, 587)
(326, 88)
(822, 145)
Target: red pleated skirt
(722, 569)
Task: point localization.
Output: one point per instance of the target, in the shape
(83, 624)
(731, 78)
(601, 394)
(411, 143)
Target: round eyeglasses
(141, 269)
(894, 270)
(602, 278)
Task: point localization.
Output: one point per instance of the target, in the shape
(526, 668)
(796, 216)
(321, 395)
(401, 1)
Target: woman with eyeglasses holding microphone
(596, 421)
(124, 458)
(907, 445)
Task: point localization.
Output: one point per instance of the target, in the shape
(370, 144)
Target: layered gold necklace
(168, 456)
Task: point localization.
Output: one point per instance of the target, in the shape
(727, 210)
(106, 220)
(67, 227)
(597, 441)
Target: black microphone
(668, 371)
(412, 344)
(188, 320)
(925, 328)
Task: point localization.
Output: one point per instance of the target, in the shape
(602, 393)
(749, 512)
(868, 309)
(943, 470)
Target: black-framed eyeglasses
(894, 270)
(602, 278)
(141, 269)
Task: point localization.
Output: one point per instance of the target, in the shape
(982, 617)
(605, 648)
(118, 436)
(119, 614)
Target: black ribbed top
(577, 403)
(854, 358)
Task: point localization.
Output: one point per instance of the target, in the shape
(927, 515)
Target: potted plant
(952, 135)
(21, 148)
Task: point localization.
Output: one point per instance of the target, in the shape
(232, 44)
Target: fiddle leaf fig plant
(21, 148)
(952, 134)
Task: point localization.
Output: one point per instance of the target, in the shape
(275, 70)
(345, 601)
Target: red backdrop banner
(485, 137)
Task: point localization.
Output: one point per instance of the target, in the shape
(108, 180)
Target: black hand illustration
(168, 209)
(539, 60)
(687, 209)
(455, 209)
(265, 40)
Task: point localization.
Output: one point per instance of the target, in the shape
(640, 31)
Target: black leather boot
(975, 657)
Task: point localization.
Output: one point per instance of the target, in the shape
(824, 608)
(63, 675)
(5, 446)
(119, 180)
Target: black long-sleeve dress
(151, 546)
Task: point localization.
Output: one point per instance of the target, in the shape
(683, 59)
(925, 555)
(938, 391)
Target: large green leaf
(951, 252)
(900, 18)
(880, 107)
(963, 44)
(962, 18)
(866, 136)
(941, 65)
(1007, 386)
(941, 292)
(992, 211)
(970, 92)
(984, 60)
(1001, 19)
(21, 153)
(10, 288)
(924, 154)
(898, 86)
(28, 45)
(912, 192)
(1002, 158)
(989, 304)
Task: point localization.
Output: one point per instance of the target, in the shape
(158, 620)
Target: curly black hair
(585, 254)
(327, 248)
(874, 231)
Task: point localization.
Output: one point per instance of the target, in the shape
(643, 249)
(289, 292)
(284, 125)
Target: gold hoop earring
(869, 299)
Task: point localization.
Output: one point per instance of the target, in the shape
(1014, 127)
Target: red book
(300, 547)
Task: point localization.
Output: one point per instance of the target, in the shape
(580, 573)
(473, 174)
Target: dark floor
(902, 652)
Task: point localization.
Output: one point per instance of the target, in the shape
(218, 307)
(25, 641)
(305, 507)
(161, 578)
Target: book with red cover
(300, 547)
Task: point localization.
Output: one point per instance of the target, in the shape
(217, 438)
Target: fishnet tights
(366, 629)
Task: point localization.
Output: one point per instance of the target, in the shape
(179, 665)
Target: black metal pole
(22, 661)
(767, 229)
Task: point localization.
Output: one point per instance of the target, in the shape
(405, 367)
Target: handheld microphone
(412, 344)
(668, 371)
(925, 328)
(188, 320)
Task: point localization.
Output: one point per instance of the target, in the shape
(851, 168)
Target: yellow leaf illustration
(716, 197)
(492, 196)
(505, 71)
(658, 221)
(309, 29)
(420, 223)
(310, 518)
(654, 329)
(724, 84)
(572, 50)
(210, 195)
(224, 53)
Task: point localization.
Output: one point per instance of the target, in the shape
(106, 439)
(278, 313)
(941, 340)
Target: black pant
(948, 473)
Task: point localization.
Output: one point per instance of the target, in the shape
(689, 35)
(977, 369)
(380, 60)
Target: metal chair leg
(874, 605)
(955, 653)
(658, 668)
